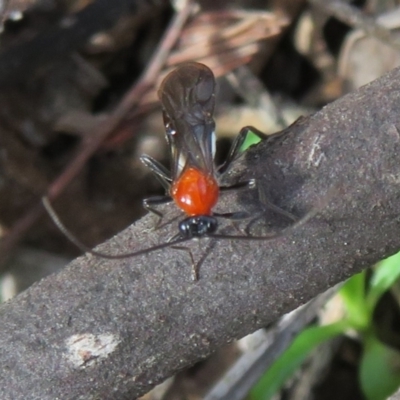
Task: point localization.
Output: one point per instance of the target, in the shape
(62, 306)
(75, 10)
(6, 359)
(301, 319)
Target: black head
(198, 226)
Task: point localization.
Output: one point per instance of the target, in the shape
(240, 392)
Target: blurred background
(74, 120)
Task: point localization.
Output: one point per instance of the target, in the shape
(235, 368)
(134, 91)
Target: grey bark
(149, 320)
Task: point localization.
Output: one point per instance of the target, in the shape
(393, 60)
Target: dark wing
(187, 97)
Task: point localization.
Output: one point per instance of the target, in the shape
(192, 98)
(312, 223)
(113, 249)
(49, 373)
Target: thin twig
(3, 13)
(355, 18)
(254, 92)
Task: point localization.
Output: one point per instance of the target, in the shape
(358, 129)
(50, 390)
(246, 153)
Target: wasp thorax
(198, 226)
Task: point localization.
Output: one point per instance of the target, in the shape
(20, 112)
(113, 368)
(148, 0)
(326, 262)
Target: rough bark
(148, 317)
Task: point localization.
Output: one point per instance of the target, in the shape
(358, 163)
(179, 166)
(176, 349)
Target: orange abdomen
(195, 193)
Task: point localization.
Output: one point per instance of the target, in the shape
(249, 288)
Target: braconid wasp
(187, 95)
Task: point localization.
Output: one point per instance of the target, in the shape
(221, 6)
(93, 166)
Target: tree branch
(145, 319)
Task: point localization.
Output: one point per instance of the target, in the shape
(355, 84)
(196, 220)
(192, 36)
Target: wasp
(187, 95)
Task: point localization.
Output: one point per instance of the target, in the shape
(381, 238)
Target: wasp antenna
(56, 219)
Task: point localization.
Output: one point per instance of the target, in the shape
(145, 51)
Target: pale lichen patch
(86, 349)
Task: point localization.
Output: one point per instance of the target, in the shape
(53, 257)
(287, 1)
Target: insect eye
(204, 90)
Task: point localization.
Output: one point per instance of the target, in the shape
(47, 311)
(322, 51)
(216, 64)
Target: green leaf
(379, 369)
(284, 367)
(353, 296)
(386, 274)
(251, 139)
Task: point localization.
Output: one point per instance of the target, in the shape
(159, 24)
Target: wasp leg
(195, 275)
(251, 184)
(266, 204)
(164, 177)
(151, 203)
(239, 140)
(235, 216)
(237, 145)
(196, 266)
(276, 209)
(158, 170)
